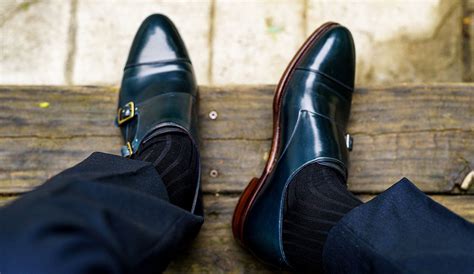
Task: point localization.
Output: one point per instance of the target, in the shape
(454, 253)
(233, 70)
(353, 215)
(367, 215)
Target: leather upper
(157, 40)
(314, 115)
(159, 80)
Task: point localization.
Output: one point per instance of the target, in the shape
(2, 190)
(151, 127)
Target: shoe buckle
(349, 142)
(125, 113)
(126, 150)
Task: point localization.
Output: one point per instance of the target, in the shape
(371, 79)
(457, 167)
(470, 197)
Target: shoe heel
(242, 208)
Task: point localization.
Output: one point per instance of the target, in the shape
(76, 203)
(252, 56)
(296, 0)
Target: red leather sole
(253, 188)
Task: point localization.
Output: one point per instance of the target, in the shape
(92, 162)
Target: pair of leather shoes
(311, 111)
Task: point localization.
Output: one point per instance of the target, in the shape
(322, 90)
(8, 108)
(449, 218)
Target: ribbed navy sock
(175, 158)
(317, 199)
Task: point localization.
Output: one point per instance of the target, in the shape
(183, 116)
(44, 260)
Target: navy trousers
(111, 215)
(400, 231)
(108, 214)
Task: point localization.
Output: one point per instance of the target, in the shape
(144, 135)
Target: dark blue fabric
(400, 231)
(111, 215)
(108, 214)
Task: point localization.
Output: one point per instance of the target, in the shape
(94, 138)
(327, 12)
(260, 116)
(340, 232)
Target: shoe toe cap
(157, 40)
(332, 55)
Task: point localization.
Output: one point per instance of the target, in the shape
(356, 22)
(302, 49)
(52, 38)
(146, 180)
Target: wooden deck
(423, 132)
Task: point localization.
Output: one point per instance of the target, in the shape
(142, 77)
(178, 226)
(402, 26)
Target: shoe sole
(253, 188)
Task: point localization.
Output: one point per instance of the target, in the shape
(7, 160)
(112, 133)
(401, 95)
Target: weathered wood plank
(28, 161)
(244, 111)
(422, 132)
(72, 111)
(434, 161)
(215, 251)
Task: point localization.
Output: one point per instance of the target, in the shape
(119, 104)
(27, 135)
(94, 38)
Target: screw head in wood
(213, 115)
(213, 173)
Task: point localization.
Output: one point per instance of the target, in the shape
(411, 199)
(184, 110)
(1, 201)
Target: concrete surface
(33, 41)
(85, 42)
(398, 40)
(254, 40)
(105, 30)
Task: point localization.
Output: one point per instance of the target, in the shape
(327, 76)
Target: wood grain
(423, 132)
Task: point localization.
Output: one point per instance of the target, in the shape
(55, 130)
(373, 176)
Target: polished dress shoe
(158, 91)
(311, 111)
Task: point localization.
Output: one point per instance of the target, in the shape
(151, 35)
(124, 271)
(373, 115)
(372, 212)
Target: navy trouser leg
(108, 214)
(400, 231)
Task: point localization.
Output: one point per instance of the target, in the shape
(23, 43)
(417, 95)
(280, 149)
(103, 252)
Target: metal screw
(214, 173)
(213, 115)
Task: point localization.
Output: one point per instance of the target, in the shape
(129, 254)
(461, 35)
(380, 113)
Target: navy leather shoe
(158, 89)
(311, 111)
